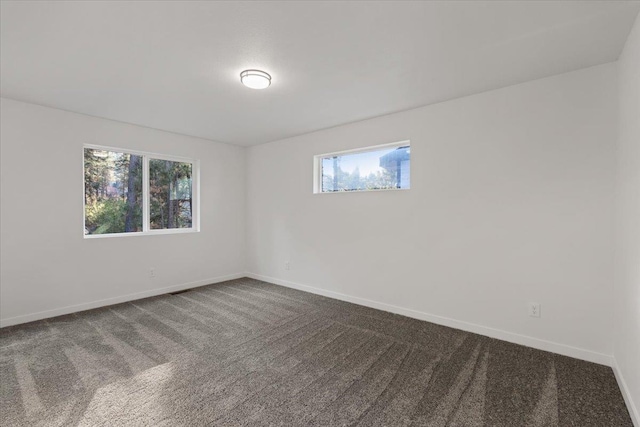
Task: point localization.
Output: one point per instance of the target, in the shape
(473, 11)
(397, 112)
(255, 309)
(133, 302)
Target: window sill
(143, 233)
(377, 190)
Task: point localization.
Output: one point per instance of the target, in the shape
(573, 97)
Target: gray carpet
(249, 353)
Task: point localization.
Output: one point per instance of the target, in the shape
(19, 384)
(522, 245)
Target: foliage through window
(170, 191)
(376, 168)
(136, 193)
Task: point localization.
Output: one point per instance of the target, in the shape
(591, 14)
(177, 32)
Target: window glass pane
(379, 169)
(170, 185)
(112, 192)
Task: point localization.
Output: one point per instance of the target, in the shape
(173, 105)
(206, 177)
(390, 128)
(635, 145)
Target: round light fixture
(255, 79)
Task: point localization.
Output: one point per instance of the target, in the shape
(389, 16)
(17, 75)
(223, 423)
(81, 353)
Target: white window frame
(317, 167)
(146, 197)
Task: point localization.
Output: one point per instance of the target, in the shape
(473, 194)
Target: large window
(383, 167)
(138, 193)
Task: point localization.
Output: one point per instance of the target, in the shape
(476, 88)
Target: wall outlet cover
(534, 309)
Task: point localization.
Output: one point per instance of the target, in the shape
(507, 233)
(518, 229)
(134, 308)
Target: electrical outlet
(152, 273)
(534, 309)
(287, 265)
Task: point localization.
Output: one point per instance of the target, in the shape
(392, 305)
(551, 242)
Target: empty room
(320, 213)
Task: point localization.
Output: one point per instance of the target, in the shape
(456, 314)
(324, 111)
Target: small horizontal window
(383, 167)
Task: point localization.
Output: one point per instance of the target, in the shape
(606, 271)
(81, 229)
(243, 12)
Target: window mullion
(146, 199)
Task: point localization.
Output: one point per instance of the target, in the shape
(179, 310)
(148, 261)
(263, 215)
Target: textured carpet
(248, 353)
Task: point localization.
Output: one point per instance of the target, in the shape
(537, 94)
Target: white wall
(627, 283)
(511, 201)
(48, 268)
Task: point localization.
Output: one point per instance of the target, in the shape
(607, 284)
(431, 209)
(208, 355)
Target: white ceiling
(175, 65)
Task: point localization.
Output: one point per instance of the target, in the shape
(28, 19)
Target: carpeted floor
(248, 353)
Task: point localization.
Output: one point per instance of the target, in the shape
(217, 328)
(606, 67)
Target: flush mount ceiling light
(255, 79)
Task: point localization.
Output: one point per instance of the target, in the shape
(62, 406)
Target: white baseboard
(631, 406)
(540, 344)
(115, 300)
